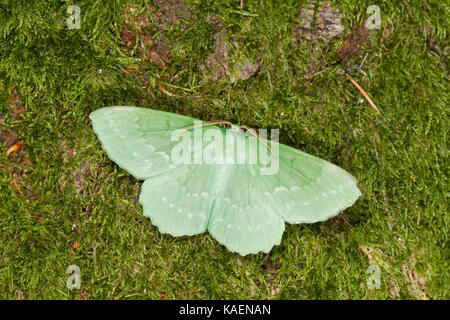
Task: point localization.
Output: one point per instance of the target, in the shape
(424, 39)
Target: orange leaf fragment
(16, 147)
(75, 245)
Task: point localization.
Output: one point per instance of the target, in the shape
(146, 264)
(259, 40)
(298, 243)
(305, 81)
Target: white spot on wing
(147, 165)
(163, 154)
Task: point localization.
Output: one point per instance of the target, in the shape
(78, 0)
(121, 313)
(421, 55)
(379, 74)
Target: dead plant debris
(327, 24)
(351, 47)
(220, 65)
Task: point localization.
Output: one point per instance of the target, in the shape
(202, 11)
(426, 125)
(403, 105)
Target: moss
(73, 193)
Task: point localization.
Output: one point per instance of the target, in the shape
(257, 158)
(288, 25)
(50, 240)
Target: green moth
(193, 183)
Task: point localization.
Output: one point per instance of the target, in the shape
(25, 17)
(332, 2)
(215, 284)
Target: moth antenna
(230, 124)
(257, 136)
(209, 124)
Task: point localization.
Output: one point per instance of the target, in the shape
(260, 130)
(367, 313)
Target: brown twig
(14, 182)
(165, 91)
(364, 93)
(197, 97)
(151, 93)
(125, 70)
(383, 34)
(345, 220)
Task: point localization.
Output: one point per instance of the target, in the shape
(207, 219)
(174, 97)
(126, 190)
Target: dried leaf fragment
(14, 148)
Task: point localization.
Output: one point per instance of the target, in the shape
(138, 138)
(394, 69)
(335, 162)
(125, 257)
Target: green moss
(398, 157)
